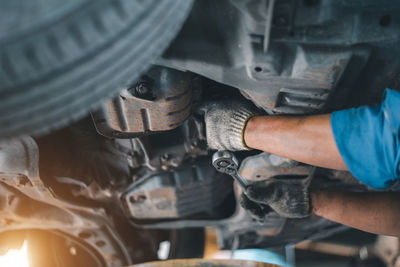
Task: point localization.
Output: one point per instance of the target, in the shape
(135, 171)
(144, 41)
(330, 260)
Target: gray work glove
(225, 124)
(287, 197)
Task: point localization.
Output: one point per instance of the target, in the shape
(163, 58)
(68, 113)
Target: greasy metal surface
(275, 230)
(170, 149)
(160, 101)
(304, 84)
(265, 165)
(205, 263)
(184, 191)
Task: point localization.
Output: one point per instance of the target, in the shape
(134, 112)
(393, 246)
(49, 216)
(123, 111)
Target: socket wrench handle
(226, 162)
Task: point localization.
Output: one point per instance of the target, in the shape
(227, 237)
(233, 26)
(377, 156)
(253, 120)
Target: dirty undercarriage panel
(288, 56)
(185, 191)
(159, 101)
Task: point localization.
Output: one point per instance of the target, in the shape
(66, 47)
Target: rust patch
(130, 115)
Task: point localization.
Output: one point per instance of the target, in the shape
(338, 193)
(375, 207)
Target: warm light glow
(16, 257)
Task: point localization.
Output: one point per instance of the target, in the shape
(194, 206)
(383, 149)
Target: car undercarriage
(137, 171)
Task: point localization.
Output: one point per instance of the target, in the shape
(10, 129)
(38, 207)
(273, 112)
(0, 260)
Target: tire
(61, 59)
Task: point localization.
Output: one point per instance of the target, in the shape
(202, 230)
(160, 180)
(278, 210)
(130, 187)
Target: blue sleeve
(369, 141)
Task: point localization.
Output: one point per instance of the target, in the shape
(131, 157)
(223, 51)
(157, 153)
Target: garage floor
(351, 248)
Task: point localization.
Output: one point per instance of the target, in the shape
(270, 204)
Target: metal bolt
(142, 88)
(165, 157)
(223, 163)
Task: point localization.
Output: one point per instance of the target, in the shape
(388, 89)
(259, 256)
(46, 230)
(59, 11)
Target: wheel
(60, 59)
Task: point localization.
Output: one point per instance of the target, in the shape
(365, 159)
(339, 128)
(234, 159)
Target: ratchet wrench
(226, 162)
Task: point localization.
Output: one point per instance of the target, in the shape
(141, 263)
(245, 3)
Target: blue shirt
(368, 138)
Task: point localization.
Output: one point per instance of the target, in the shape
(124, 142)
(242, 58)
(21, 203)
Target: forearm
(307, 139)
(373, 212)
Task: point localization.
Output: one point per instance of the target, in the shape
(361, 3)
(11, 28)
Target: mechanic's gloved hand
(288, 197)
(225, 124)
